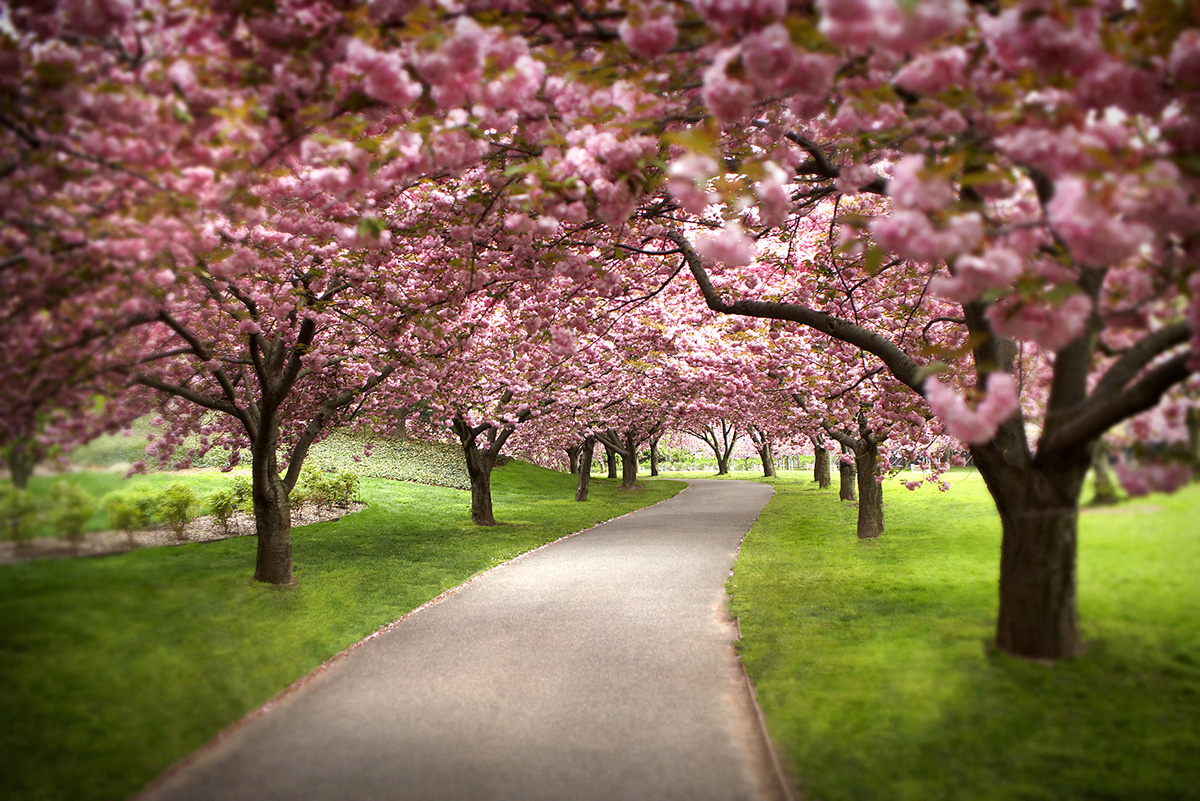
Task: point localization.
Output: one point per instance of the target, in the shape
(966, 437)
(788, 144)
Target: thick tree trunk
(272, 514)
(768, 460)
(629, 471)
(479, 470)
(1038, 616)
(723, 464)
(654, 457)
(870, 491)
(21, 457)
(847, 475)
(611, 455)
(629, 463)
(1038, 504)
(573, 458)
(585, 469)
(821, 467)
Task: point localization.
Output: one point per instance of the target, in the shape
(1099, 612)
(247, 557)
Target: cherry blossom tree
(1037, 161)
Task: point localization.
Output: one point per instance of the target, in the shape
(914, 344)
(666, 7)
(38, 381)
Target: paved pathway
(600, 667)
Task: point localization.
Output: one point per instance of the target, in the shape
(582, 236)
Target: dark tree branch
(901, 365)
(1096, 418)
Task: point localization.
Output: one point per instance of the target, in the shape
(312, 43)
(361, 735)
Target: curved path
(599, 667)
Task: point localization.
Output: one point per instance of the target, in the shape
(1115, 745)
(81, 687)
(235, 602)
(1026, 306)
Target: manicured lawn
(113, 668)
(873, 664)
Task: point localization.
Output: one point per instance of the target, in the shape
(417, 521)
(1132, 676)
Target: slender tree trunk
(573, 458)
(768, 460)
(21, 457)
(847, 475)
(870, 491)
(821, 467)
(611, 455)
(586, 451)
(1106, 489)
(653, 457)
(272, 511)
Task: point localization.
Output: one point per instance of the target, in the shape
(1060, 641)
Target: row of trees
(264, 220)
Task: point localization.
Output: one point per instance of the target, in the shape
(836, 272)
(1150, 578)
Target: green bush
(343, 488)
(176, 507)
(222, 504)
(130, 511)
(243, 493)
(19, 516)
(71, 507)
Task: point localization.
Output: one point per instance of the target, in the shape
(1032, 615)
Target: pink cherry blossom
(997, 268)
(1140, 480)
(728, 98)
(913, 186)
(978, 425)
(730, 246)
(654, 35)
(1053, 327)
(1095, 234)
(934, 72)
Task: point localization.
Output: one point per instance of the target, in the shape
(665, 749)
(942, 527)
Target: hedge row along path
(598, 667)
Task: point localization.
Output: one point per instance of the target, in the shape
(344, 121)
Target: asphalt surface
(599, 667)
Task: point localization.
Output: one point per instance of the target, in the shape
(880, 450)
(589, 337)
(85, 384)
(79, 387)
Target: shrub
(223, 504)
(130, 511)
(176, 506)
(243, 493)
(18, 514)
(343, 488)
(71, 507)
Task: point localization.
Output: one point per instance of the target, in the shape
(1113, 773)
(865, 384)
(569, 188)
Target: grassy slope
(873, 667)
(113, 668)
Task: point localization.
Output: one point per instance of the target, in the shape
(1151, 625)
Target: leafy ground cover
(872, 663)
(438, 463)
(113, 668)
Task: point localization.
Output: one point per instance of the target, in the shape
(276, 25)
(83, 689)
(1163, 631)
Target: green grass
(874, 670)
(113, 668)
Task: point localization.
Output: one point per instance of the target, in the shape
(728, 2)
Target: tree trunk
(1106, 490)
(611, 455)
(870, 491)
(585, 469)
(768, 460)
(722, 464)
(653, 457)
(821, 467)
(1038, 503)
(479, 470)
(629, 463)
(846, 478)
(272, 512)
(21, 457)
(573, 458)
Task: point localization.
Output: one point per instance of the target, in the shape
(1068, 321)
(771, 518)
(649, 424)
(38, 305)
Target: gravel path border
(202, 529)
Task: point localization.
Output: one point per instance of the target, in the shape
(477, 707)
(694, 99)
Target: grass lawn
(873, 665)
(113, 668)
